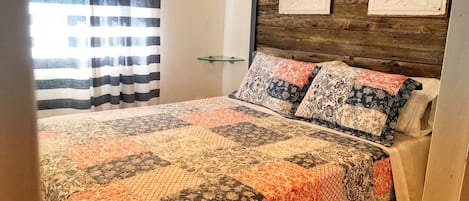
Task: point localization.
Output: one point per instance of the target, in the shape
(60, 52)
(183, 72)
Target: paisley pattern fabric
(374, 120)
(278, 84)
(328, 93)
(387, 82)
(295, 72)
(253, 89)
(285, 90)
(360, 102)
(210, 149)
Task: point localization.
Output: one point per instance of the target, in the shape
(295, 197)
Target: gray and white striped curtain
(95, 54)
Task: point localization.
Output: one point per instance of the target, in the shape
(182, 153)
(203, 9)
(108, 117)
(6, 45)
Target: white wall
(18, 143)
(191, 29)
(450, 140)
(236, 42)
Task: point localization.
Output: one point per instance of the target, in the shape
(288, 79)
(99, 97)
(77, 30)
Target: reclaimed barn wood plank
(436, 26)
(389, 66)
(410, 45)
(429, 56)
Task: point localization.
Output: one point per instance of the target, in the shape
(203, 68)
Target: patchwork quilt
(209, 149)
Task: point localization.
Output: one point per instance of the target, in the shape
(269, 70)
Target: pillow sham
(357, 101)
(278, 84)
(291, 80)
(417, 116)
(253, 87)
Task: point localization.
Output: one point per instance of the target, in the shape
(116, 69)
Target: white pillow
(417, 115)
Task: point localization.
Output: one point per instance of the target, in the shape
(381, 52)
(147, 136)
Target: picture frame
(322, 7)
(408, 7)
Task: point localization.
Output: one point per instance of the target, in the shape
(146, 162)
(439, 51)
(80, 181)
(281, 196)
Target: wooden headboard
(412, 46)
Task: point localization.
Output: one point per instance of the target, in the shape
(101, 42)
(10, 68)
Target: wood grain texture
(412, 46)
(388, 66)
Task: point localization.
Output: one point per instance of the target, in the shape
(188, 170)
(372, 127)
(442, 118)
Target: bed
(261, 143)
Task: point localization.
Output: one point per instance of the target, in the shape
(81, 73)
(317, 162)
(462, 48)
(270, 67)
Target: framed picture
(407, 7)
(304, 6)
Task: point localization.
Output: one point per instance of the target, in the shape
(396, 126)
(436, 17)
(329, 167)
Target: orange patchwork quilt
(209, 149)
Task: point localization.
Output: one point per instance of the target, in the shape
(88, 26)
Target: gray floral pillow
(360, 102)
(253, 89)
(269, 78)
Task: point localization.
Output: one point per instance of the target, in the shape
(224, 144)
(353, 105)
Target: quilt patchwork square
(168, 180)
(104, 151)
(54, 144)
(79, 132)
(46, 134)
(281, 180)
(250, 112)
(64, 177)
(124, 113)
(281, 125)
(186, 140)
(306, 160)
(58, 120)
(211, 139)
(214, 118)
(214, 101)
(292, 146)
(125, 167)
(382, 177)
(249, 135)
(357, 165)
(331, 177)
(176, 109)
(211, 103)
(146, 124)
(350, 157)
(375, 152)
(213, 165)
(225, 188)
(107, 192)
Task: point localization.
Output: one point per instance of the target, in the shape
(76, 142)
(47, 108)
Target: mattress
(217, 149)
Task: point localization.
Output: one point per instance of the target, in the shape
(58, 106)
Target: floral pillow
(276, 83)
(361, 102)
(291, 80)
(253, 88)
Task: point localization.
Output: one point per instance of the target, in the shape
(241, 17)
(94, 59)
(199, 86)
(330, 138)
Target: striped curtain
(95, 54)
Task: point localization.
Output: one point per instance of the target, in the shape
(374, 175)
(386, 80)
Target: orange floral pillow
(357, 101)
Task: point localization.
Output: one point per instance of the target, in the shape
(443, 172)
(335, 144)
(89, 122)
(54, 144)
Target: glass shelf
(212, 59)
